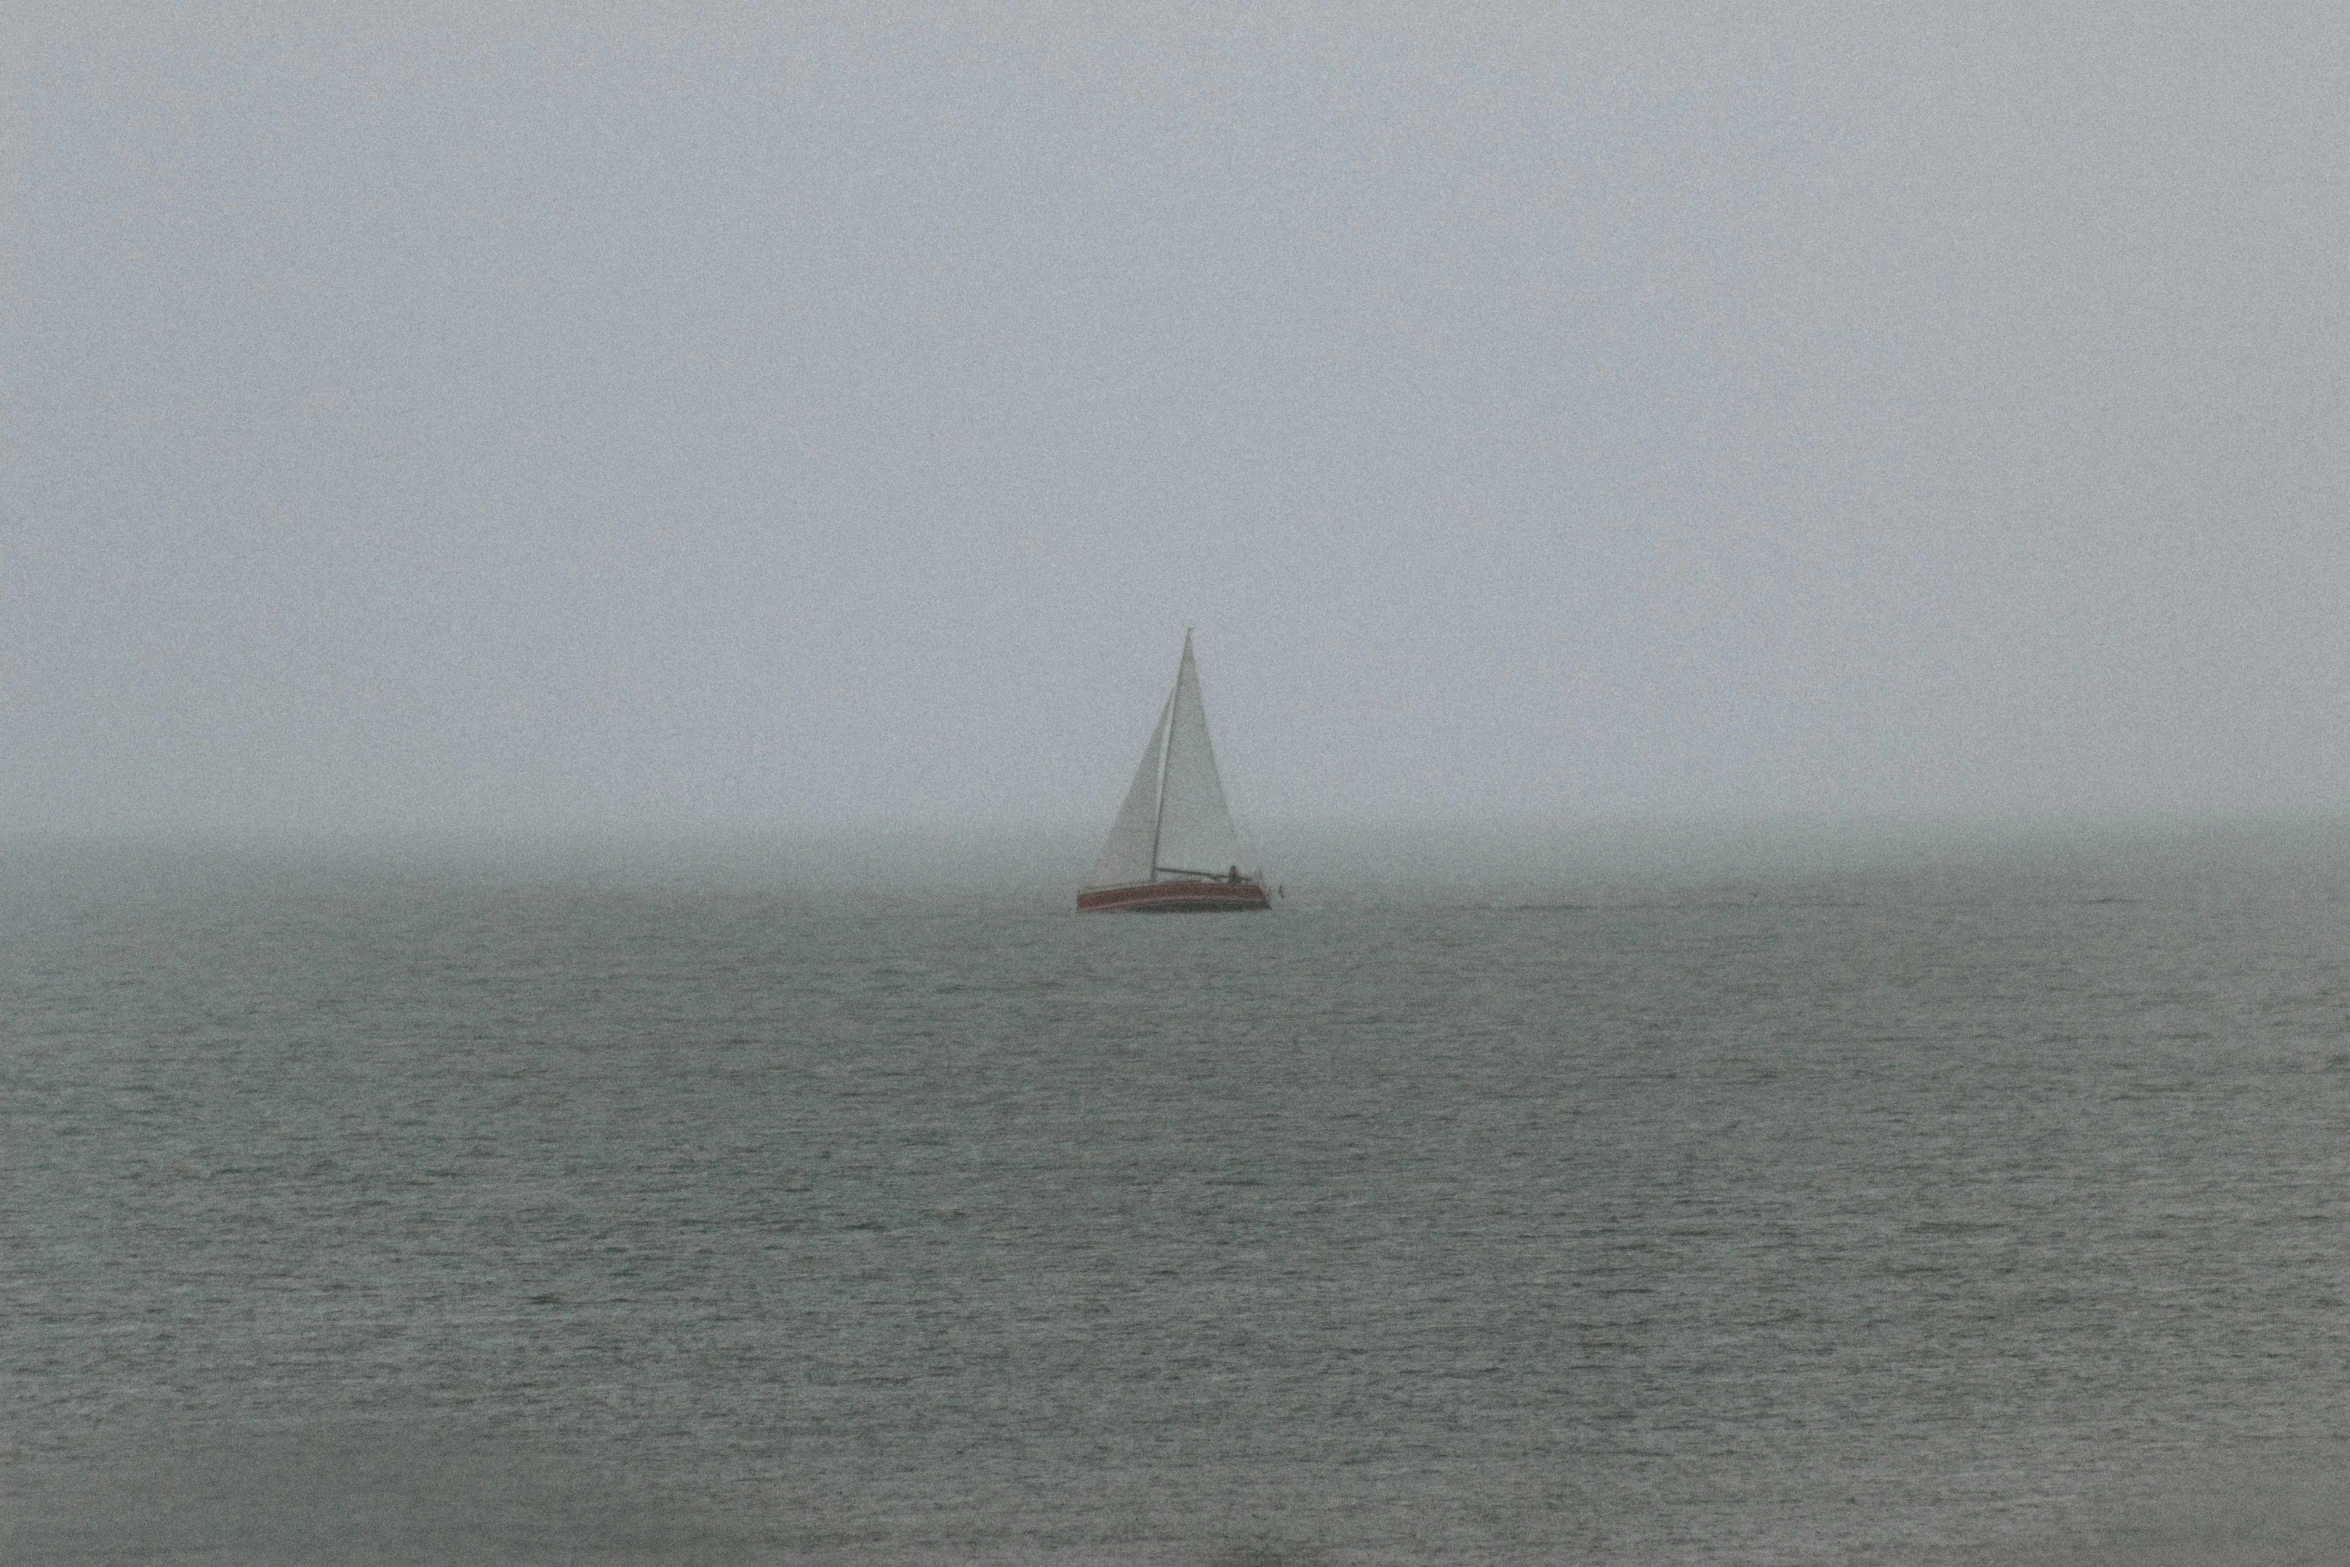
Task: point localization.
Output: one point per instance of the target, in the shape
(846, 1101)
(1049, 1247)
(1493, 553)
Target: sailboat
(1172, 849)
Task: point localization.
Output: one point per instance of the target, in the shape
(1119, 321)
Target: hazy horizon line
(1518, 857)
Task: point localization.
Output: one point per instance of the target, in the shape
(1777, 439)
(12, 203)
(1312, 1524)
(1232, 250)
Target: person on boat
(1233, 876)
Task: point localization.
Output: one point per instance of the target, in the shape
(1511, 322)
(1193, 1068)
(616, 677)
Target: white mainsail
(1175, 818)
(1195, 825)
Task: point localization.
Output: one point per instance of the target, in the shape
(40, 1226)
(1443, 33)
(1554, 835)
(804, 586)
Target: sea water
(1966, 1209)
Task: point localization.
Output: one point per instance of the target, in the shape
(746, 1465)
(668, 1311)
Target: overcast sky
(801, 418)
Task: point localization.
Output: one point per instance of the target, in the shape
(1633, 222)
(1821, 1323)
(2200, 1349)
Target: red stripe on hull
(1176, 897)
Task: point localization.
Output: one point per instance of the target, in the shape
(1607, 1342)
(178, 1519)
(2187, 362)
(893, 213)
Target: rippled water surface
(1926, 1214)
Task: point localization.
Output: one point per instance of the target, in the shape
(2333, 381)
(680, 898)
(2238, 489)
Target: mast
(1167, 756)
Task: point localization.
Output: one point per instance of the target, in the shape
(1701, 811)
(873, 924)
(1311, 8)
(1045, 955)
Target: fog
(813, 420)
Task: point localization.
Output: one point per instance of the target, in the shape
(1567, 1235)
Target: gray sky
(808, 418)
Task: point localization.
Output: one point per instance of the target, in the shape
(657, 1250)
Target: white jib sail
(1126, 856)
(1195, 825)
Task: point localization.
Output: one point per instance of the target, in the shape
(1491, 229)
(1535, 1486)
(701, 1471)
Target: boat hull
(1176, 897)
